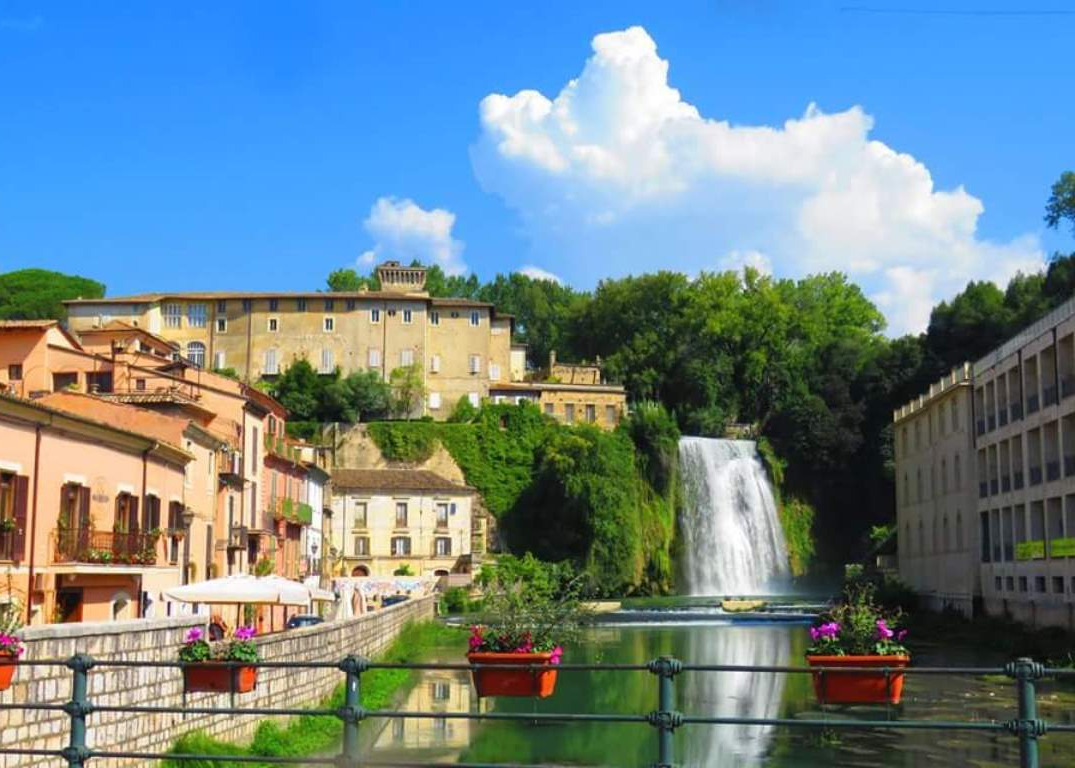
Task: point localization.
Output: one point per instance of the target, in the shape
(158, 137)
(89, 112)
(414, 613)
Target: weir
(733, 543)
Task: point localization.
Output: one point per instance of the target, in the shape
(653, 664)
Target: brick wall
(158, 640)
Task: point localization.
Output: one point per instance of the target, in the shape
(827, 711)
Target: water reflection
(733, 694)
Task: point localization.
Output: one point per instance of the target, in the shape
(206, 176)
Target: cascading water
(732, 540)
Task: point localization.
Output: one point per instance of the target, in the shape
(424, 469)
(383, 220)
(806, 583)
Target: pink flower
(476, 639)
(883, 632)
(245, 633)
(194, 635)
(900, 635)
(557, 654)
(11, 644)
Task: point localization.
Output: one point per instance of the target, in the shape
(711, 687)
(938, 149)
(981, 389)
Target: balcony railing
(105, 547)
(7, 545)
(292, 511)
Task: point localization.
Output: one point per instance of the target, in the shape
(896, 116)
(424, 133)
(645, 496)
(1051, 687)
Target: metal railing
(80, 545)
(665, 720)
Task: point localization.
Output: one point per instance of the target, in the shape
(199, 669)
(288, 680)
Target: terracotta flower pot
(8, 662)
(509, 682)
(218, 678)
(866, 687)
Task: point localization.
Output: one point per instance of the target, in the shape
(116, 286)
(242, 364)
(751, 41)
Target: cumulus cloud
(537, 273)
(403, 230)
(619, 173)
(739, 260)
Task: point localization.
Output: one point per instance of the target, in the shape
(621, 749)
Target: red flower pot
(218, 678)
(510, 682)
(8, 662)
(865, 687)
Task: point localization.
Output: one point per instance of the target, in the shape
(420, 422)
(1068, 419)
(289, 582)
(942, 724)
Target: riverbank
(307, 735)
(1053, 646)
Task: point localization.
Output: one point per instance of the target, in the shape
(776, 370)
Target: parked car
(303, 620)
(393, 599)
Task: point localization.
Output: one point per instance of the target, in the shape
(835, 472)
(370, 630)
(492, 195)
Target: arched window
(196, 353)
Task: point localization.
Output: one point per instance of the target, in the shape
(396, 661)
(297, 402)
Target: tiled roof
(391, 480)
(119, 326)
(6, 325)
(146, 298)
(121, 415)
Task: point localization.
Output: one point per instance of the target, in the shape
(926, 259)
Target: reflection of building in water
(733, 694)
(437, 691)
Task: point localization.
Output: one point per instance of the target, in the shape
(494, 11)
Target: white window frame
(474, 398)
(434, 317)
(437, 542)
(406, 550)
(328, 360)
(434, 400)
(328, 324)
(375, 315)
(475, 364)
(494, 372)
(272, 325)
(272, 365)
(475, 318)
(406, 357)
(199, 354)
(219, 359)
(197, 315)
(374, 357)
(408, 316)
(434, 364)
(173, 315)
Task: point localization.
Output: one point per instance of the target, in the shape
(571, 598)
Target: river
(724, 693)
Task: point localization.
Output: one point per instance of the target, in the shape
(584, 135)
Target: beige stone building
(462, 347)
(383, 519)
(936, 494)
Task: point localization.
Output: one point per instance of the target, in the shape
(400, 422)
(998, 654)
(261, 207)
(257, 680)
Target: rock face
(355, 449)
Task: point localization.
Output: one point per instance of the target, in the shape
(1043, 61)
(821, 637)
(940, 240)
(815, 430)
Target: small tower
(396, 278)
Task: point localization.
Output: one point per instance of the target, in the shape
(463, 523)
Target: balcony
(1052, 471)
(292, 511)
(1032, 404)
(104, 547)
(1048, 396)
(1035, 475)
(1016, 411)
(7, 546)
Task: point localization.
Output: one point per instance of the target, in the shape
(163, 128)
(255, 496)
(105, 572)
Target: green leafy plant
(7, 524)
(239, 647)
(265, 566)
(857, 626)
(242, 646)
(403, 570)
(195, 647)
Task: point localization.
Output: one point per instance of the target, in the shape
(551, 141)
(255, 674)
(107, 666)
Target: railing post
(1028, 727)
(665, 719)
(77, 708)
(351, 712)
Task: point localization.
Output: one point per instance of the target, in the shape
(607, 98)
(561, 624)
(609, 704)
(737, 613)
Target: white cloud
(404, 231)
(537, 273)
(618, 173)
(738, 260)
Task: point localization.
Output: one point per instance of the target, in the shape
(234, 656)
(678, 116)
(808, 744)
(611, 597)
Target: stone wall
(158, 640)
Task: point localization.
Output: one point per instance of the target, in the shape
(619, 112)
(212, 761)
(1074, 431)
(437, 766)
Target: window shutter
(133, 528)
(83, 506)
(22, 485)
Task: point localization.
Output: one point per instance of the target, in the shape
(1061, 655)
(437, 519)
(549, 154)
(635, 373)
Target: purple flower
(883, 632)
(557, 654)
(815, 634)
(900, 635)
(244, 633)
(194, 635)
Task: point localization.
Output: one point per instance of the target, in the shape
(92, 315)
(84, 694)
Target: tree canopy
(38, 294)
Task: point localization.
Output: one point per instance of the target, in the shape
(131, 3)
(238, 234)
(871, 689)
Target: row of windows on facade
(1050, 523)
(1001, 398)
(920, 491)
(400, 546)
(940, 540)
(198, 315)
(1000, 466)
(952, 419)
(442, 510)
(1007, 584)
(195, 354)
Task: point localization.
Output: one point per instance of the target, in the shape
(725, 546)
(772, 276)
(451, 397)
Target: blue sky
(194, 147)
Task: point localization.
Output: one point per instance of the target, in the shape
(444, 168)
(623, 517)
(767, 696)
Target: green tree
(298, 389)
(408, 391)
(347, 279)
(38, 294)
(464, 411)
(1061, 204)
(369, 394)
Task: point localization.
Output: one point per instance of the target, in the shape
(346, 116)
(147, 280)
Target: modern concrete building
(1021, 474)
(385, 519)
(936, 494)
(1024, 395)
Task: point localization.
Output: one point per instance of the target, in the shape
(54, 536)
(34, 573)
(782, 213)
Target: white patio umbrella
(247, 590)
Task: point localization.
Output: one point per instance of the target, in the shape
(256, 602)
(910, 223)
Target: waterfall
(732, 540)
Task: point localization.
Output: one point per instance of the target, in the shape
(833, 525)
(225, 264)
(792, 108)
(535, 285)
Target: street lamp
(313, 558)
(186, 517)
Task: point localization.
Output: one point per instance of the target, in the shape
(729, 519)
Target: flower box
(216, 677)
(8, 662)
(509, 682)
(870, 686)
